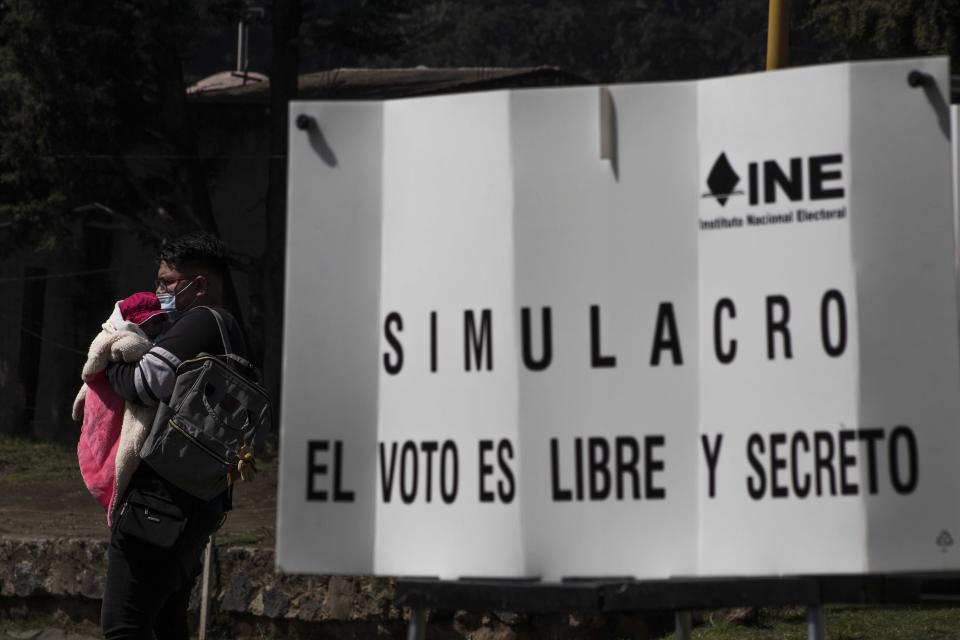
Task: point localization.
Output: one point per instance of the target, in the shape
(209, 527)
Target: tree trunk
(31, 346)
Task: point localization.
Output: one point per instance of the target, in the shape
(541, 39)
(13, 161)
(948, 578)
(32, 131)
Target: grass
(26, 460)
(842, 623)
(25, 623)
(262, 536)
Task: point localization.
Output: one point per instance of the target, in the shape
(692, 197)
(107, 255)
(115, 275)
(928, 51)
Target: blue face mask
(168, 301)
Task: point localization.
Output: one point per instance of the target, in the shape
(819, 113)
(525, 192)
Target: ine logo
(722, 180)
(944, 540)
(811, 178)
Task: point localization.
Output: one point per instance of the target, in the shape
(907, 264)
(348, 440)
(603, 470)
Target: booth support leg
(205, 589)
(418, 624)
(815, 626)
(684, 625)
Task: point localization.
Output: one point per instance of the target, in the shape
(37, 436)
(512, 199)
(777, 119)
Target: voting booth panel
(908, 329)
(771, 262)
(845, 269)
(601, 248)
(330, 374)
(447, 224)
(686, 329)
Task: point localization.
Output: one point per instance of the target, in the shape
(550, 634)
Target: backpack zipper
(216, 361)
(210, 452)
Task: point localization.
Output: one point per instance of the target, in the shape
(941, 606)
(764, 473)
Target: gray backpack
(202, 440)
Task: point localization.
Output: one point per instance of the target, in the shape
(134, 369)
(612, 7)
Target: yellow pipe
(778, 34)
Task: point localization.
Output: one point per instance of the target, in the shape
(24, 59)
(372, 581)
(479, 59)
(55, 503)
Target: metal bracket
(918, 79)
(305, 122)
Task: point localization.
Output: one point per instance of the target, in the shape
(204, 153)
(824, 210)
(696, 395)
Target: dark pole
(283, 88)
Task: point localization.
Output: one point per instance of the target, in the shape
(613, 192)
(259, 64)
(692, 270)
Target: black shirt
(151, 380)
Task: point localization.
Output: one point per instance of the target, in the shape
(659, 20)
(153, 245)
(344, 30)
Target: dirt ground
(64, 507)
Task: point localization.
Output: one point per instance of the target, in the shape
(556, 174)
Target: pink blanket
(99, 437)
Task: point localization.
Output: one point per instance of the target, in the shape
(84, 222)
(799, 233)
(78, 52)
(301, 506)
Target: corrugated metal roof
(227, 80)
(380, 84)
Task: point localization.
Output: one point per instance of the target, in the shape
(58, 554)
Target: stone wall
(251, 600)
(244, 582)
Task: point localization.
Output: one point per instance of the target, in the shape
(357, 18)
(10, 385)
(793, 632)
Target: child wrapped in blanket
(113, 430)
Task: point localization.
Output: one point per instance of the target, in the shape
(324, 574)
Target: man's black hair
(193, 250)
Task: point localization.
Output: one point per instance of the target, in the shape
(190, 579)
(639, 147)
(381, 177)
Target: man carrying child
(148, 581)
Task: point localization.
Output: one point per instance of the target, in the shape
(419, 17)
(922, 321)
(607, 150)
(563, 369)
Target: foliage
(619, 40)
(606, 41)
(83, 85)
(346, 33)
(885, 28)
(842, 623)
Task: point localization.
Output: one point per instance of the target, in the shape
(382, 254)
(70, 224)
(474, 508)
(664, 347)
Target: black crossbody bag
(151, 518)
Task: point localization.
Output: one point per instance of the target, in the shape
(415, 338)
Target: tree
(614, 41)
(349, 33)
(96, 128)
(857, 29)
(74, 111)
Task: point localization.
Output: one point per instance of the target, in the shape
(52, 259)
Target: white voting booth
(655, 330)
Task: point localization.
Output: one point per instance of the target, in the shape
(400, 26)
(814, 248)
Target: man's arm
(147, 381)
(151, 380)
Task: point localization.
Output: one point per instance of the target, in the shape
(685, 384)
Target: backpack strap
(224, 334)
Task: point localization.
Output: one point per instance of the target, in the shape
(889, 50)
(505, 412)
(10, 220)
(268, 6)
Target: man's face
(185, 287)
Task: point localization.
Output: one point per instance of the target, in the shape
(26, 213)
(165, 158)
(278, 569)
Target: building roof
(381, 84)
(227, 80)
